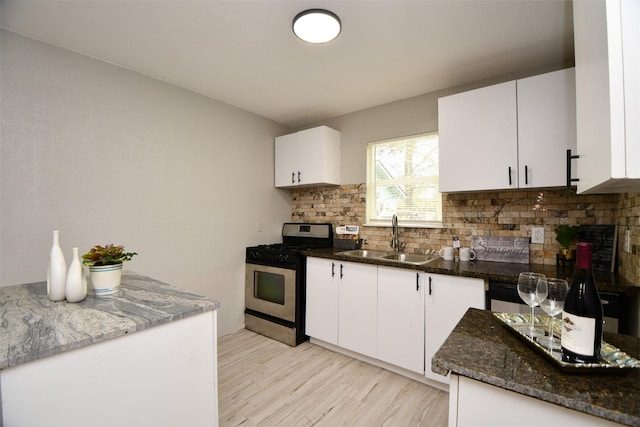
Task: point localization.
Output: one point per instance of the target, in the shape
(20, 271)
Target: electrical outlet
(537, 235)
(627, 241)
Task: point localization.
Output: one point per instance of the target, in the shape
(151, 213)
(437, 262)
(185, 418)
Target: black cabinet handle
(569, 157)
(429, 285)
(417, 281)
(333, 269)
(526, 174)
(299, 176)
(509, 175)
(341, 267)
(293, 177)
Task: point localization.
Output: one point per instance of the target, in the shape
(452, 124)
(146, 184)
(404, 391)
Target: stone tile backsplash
(510, 213)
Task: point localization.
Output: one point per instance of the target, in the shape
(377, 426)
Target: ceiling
(244, 53)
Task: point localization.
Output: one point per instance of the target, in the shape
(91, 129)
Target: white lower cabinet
(397, 316)
(342, 304)
(321, 317)
(401, 318)
(358, 307)
(447, 299)
(474, 403)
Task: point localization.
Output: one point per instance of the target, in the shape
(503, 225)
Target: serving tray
(612, 359)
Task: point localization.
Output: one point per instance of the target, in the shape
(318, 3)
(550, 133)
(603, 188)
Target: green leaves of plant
(107, 255)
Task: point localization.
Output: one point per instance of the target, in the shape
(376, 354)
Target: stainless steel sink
(391, 256)
(411, 258)
(364, 253)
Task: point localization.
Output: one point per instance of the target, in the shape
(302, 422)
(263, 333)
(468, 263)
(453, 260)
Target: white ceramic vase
(57, 271)
(76, 285)
(105, 278)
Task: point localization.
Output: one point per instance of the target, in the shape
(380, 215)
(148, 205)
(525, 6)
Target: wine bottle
(582, 316)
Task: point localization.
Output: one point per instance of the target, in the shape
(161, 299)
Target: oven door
(271, 290)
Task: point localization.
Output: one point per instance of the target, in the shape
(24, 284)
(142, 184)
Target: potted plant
(567, 235)
(105, 267)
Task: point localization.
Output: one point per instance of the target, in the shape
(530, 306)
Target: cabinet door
(478, 139)
(447, 299)
(358, 306)
(629, 16)
(481, 404)
(546, 128)
(321, 318)
(286, 160)
(607, 95)
(319, 156)
(401, 318)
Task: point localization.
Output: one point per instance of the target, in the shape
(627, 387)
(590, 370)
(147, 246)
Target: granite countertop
(500, 271)
(482, 348)
(33, 327)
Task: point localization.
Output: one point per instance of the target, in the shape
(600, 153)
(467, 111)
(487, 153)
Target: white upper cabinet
(546, 128)
(478, 132)
(607, 51)
(510, 135)
(309, 157)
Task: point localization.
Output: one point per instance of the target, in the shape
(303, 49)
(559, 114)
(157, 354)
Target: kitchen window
(402, 179)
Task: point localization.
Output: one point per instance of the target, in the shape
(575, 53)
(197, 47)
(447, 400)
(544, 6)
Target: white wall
(106, 155)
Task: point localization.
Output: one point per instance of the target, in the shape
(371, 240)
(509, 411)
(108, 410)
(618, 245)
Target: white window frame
(371, 191)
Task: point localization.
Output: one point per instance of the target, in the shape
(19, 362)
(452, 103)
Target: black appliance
(275, 277)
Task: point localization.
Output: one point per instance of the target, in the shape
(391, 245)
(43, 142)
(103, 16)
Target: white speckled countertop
(33, 327)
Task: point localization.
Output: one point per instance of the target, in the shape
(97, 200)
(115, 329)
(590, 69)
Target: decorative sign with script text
(501, 249)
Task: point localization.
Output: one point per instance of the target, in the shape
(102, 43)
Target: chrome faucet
(395, 241)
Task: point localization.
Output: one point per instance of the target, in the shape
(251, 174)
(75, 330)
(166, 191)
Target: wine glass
(528, 291)
(555, 292)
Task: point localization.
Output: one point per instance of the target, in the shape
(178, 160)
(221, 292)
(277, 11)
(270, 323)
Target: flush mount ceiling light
(316, 25)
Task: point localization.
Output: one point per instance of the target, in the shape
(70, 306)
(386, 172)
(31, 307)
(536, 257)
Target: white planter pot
(106, 278)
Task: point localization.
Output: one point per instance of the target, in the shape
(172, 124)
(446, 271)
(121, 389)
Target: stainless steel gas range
(275, 282)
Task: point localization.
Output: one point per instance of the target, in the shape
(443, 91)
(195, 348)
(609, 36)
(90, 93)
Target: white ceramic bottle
(76, 285)
(57, 271)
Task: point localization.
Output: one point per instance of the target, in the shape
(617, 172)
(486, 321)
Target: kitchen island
(497, 379)
(144, 356)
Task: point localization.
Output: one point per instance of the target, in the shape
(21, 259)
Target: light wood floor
(263, 382)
